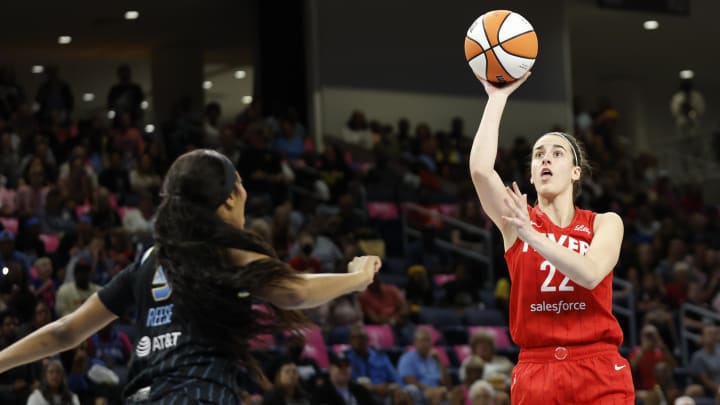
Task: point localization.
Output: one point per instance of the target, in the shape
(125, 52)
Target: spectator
(307, 368)
(12, 94)
(15, 292)
(9, 164)
(126, 96)
(334, 171)
(28, 240)
(8, 253)
(211, 125)
(139, 221)
(423, 369)
(340, 389)
(356, 131)
(371, 368)
(352, 222)
(115, 178)
(112, 348)
(57, 218)
(460, 395)
(483, 346)
(304, 261)
(324, 249)
(79, 152)
(289, 140)
(344, 311)
(383, 304)
(261, 169)
(42, 317)
(72, 294)
(644, 358)
(127, 139)
(15, 383)
(419, 290)
(31, 196)
(705, 362)
(43, 285)
(143, 177)
(42, 155)
(103, 214)
(228, 145)
(287, 389)
(481, 393)
(77, 188)
(54, 96)
(53, 388)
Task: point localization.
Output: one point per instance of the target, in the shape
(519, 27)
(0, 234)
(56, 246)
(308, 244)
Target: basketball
(501, 46)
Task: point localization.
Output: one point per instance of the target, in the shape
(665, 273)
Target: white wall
(413, 51)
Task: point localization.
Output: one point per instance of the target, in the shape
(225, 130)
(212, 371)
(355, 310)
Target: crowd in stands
(78, 194)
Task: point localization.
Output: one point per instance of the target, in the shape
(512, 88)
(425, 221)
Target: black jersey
(168, 357)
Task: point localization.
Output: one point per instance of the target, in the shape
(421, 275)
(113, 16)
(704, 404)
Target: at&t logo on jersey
(147, 345)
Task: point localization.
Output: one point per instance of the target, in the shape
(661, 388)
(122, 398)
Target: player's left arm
(602, 255)
(63, 334)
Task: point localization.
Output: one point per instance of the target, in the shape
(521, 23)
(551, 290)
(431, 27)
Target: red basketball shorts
(590, 374)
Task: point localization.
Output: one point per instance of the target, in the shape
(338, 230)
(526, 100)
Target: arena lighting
(88, 97)
(651, 25)
(247, 99)
(132, 15)
(687, 74)
(207, 85)
(5, 271)
(64, 39)
(111, 114)
(149, 128)
(144, 105)
(37, 69)
(240, 74)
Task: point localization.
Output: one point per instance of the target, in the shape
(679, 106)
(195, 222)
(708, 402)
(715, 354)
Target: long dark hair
(62, 390)
(210, 292)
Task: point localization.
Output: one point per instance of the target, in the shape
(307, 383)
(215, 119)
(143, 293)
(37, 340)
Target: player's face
(553, 169)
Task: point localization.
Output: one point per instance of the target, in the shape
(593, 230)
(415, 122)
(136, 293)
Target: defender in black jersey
(194, 291)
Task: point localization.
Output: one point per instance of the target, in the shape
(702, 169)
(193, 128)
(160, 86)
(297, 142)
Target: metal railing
(624, 289)
(485, 257)
(685, 334)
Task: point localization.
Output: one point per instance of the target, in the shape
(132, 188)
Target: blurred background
(351, 124)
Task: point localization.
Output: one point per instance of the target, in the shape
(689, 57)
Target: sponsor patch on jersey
(147, 345)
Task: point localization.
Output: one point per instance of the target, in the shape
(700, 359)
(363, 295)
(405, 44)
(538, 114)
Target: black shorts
(189, 393)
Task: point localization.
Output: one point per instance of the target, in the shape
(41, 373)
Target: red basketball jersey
(546, 307)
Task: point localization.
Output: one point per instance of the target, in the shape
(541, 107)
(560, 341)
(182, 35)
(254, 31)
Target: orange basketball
(501, 46)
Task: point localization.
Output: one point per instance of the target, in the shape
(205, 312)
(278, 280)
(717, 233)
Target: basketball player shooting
(560, 260)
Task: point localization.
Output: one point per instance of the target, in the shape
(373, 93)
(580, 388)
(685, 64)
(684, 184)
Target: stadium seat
(484, 317)
(380, 336)
(439, 317)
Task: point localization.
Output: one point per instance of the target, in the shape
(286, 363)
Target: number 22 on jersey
(546, 285)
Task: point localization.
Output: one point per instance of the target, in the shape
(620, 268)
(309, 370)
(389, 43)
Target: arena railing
(686, 334)
(409, 230)
(624, 305)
